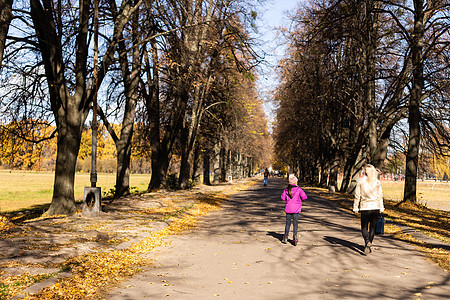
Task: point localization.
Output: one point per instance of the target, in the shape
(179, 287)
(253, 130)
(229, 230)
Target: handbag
(380, 224)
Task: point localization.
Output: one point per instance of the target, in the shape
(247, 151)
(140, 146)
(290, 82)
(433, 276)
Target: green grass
(23, 189)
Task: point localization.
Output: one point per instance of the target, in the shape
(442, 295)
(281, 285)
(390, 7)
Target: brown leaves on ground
(93, 272)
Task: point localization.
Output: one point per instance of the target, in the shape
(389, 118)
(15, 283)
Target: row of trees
(177, 76)
(357, 75)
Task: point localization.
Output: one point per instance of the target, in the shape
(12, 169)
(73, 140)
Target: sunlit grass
(23, 189)
(429, 193)
(432, 194)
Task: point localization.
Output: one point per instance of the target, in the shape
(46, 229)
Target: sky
(274, 14)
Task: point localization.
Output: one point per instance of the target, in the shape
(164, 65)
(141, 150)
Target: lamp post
(92, 194)
(94, 101)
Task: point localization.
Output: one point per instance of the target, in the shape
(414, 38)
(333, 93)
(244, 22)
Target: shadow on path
(352, 246)
(236, 253)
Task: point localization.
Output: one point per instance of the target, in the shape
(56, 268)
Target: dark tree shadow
(352, 246)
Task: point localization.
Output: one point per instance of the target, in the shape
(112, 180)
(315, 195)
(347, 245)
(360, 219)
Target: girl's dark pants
(368, 224)
(290, 217)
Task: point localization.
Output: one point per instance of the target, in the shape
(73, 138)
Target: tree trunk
(380, 154)
(195, 164)
(356, 172)
(216, 162)
(68, 143)
(183, 180)
(5, 19)
(412, 156)
(153, 114)
(131, 83)
(324, 174)
(190, 133)
(369, 89)
(206, 166)
(70, 111)
(223, 163)
(334, 170)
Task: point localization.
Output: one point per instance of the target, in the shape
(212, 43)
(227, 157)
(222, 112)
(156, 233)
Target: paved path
(236, 254)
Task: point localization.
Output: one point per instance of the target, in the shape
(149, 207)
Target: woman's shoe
(368, 248)
(295, 241)
(284, 240)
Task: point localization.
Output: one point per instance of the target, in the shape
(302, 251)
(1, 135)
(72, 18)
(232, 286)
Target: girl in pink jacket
(293, 196)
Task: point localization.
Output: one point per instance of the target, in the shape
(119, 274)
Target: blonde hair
(371, 173)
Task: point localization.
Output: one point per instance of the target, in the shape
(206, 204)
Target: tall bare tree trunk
(5, 19)
(216, 162)
(70, 111)
(206, 166)
(412, 156)
(371, 44)
(131, 83)
(334, 170)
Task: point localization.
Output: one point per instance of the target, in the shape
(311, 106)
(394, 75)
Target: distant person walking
(293, 195)
(266, 177)
(368, 201)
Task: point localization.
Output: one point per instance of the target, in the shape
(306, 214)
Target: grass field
(432, 194)
(22, 190)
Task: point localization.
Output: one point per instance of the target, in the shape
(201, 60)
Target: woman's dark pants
(368, 224)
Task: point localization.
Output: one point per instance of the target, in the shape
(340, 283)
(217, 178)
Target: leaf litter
(102, 266)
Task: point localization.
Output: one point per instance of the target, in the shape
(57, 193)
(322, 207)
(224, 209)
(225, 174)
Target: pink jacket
(294, 204)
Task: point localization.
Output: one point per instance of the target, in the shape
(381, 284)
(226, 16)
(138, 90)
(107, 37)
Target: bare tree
(70, 100)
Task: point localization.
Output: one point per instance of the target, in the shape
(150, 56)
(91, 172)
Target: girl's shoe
(295, 241)
(284, 240)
